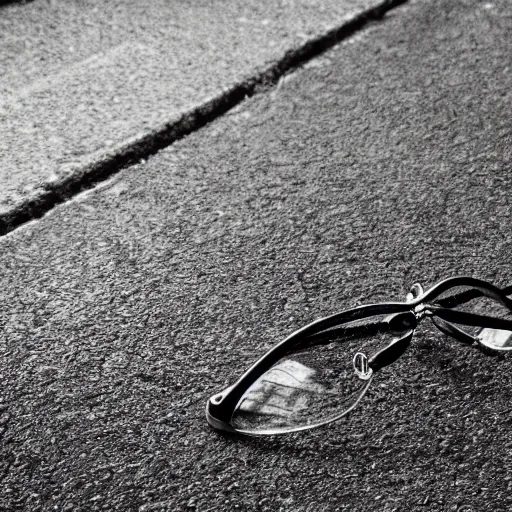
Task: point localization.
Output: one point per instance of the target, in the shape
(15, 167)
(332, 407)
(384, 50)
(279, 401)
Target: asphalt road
(382, 162)
(82, 82)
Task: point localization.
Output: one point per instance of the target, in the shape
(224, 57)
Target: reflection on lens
(470, 300)
(315, 383)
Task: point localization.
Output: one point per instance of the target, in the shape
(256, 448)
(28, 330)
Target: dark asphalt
(383, 162)
(81, 82)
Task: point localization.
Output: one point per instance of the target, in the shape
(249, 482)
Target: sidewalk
(382, 162)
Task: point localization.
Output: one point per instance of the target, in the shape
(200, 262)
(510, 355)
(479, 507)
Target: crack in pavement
(141, 148)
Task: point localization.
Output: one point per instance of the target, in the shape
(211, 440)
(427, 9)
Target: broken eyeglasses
(320, 372)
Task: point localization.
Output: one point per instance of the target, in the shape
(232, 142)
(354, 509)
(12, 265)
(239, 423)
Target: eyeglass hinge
(421, 310)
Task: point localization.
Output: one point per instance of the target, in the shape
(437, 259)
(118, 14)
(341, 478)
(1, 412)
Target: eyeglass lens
(316, 382)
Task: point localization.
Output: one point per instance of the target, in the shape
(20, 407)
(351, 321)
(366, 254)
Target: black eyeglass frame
(404, 316)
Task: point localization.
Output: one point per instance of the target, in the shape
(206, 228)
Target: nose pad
(361, 368)
(415, 292)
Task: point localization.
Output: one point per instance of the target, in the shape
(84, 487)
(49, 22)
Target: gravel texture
(385, 161)
(83, 81)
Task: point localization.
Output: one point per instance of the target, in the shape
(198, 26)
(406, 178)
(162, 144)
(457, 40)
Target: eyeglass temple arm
(391, 353)
(455, 300)
(442, 319)
(461, 317)
(334, 334)
(463, 297)
(453, 331)
(398, 323)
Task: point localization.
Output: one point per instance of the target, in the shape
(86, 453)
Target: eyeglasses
(320, 373)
